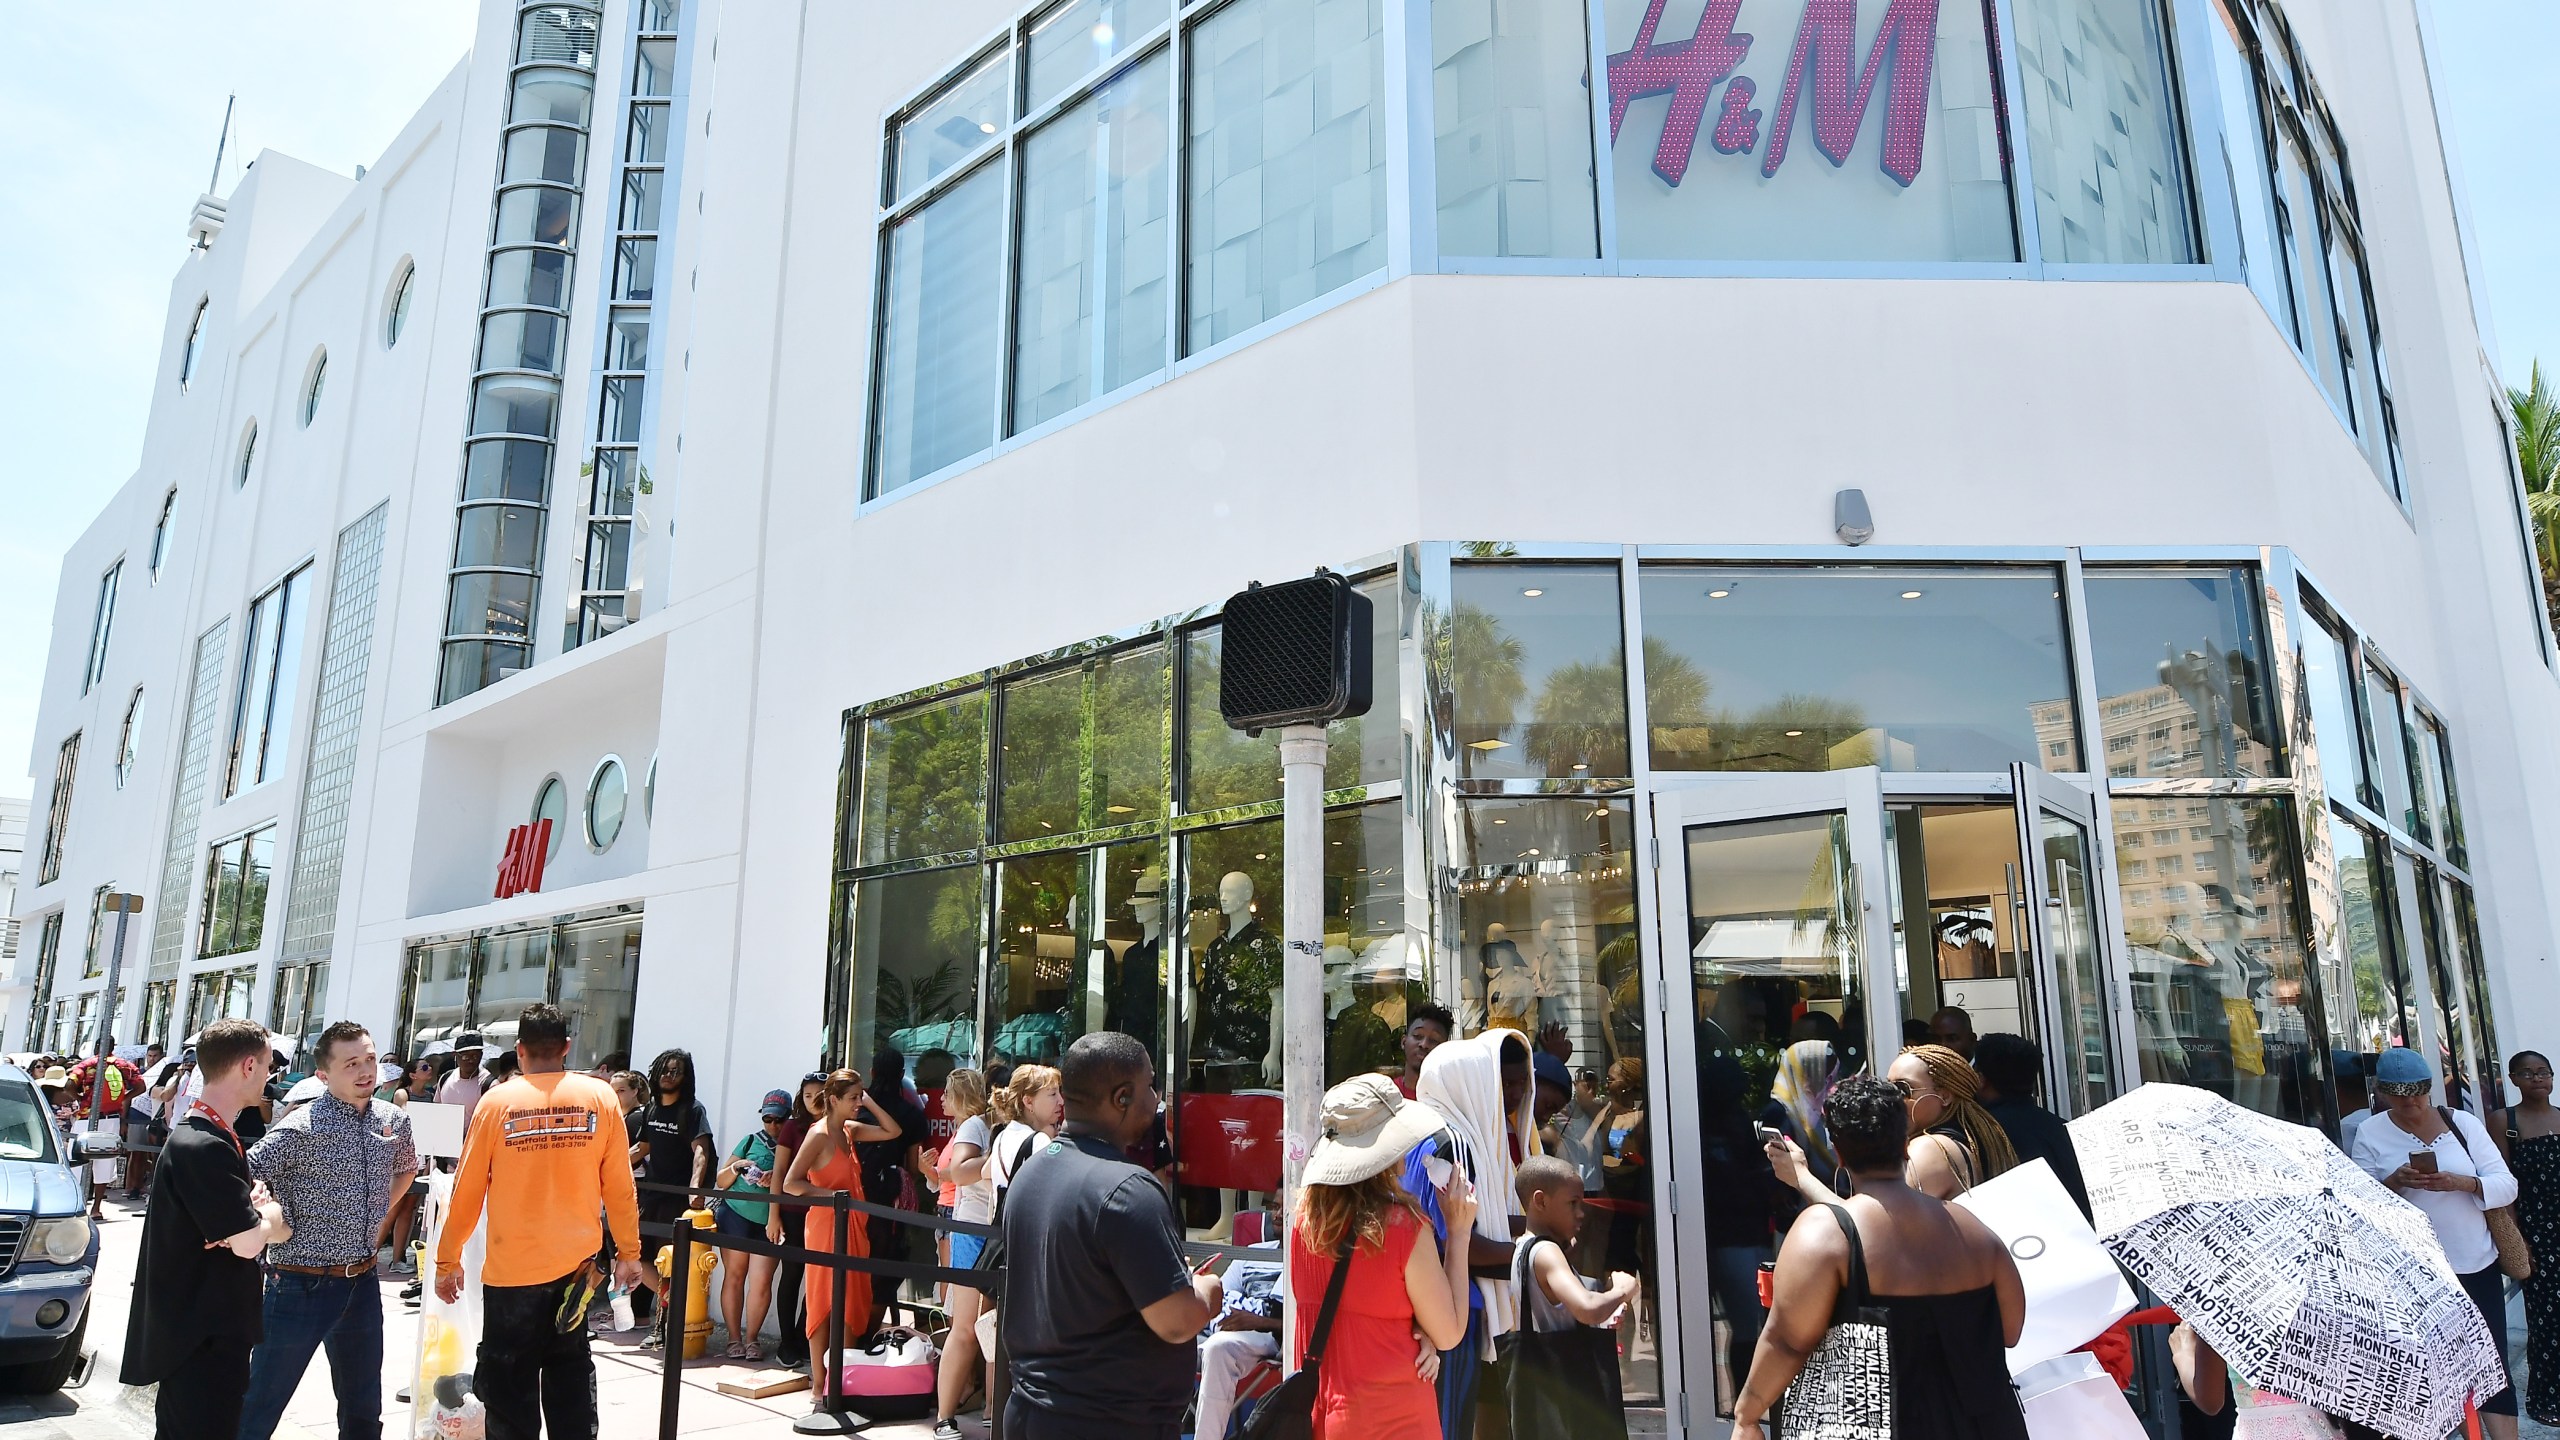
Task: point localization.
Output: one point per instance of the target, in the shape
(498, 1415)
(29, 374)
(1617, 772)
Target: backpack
(989, 1271)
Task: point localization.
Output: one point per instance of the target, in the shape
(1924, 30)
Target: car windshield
(26, 1129)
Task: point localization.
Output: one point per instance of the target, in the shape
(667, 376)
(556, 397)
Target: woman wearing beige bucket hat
(1399, 1292)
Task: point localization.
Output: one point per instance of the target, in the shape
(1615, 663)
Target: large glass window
(1547, 931)
(916, 939)
(1286, 169)
(1089, 275)
(1226, 767)
(2436, 747)
(924, 780)
(1511, 104)
(270, 676)
(2182, 673)
(938, 346)
(2384, 1011)
(1068, 40)
(235, 893)
(1846, 130)
(2221, 977)
(599, 984)
(2244, 163)
(1784, 668)
(101, 625)
(1536, 660)
(955, 124)
(57, 811)
(515, 971)
(439, 993)
(1083, 748)
(160, 532)
(2103, 132)
(2329, 686)
(48, 951)
(2394, 748)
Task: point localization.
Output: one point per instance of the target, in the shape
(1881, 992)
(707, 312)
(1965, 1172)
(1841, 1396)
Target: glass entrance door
(1774, 955)
(1803, 922)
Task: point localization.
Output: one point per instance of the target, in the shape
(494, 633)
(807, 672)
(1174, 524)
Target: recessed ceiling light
(1581, 764)
(986, 127)
(1910, 594)
(1793, 734)
(1261, 857)
(1533, 851)
(1501, 822)
(1718, 594)
(1533, 592)
(1120, 809)
(1102, 33)
(1488, 744)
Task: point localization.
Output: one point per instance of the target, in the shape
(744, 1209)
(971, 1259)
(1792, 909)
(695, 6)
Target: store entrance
(1804, 921)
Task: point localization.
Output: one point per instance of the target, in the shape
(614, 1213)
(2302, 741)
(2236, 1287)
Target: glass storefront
(1867, 793)
(588, 965)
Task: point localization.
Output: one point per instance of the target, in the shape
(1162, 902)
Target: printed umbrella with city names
(2311, 1279)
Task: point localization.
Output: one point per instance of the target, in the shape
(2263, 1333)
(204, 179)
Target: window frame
(129, 738)
(264, 662)
(160, 533)
(396, 302)
(192, 350)
(209, 894)
(315, 378)
(102, 623)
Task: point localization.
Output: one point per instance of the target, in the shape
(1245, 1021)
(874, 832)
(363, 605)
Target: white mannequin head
(1547, 930)
(1235, 898)
(1496, 933)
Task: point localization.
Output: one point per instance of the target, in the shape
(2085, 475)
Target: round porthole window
(608, 793)
(551, 803)
(649, 793)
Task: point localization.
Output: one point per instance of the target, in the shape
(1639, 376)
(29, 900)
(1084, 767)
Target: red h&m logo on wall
(520, 869)
(1825, 44)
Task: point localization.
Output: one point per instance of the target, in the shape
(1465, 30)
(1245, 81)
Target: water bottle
(619, 1298)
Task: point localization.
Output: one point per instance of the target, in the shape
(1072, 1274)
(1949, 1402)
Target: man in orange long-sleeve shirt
(546, 1155)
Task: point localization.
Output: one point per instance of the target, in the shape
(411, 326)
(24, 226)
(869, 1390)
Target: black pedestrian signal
(1295, 653)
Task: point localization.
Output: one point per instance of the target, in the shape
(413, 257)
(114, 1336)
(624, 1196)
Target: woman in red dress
(1401, 1293)
(827, 1163)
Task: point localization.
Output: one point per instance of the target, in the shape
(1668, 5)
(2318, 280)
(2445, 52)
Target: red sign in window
(1230, 1142)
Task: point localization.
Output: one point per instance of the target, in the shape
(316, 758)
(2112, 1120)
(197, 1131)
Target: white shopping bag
(2272, 1417)
(2072, 1397)
(2074, 1289)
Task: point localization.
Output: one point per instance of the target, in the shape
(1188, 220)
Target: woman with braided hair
(1954, 1144)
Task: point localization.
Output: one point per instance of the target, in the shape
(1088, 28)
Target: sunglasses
(1909, 1090)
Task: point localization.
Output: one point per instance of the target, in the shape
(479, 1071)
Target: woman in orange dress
(825, 1165)
(1401, 1292)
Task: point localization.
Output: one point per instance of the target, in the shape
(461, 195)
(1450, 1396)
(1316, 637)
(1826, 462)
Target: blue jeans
(1733, 1276)
(304, 1313)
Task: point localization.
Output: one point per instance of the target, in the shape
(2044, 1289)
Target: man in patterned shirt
(335, 1165)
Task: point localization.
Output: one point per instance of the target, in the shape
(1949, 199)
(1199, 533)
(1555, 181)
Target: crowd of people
(1448, 1272)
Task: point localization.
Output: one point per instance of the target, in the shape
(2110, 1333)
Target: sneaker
(413, 1289)
(946, 1430)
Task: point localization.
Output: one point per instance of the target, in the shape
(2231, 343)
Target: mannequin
(1547, 974)
(1137, 996)
(1510, 994)
(1239, 979)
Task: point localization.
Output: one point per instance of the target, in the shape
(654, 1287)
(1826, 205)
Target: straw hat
(53, 1079)
(1368, 1128)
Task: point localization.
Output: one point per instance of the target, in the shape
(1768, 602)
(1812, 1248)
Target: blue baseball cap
(2347, 1064)
(777, 1106)
(1551, 1071)
(2403, 1066)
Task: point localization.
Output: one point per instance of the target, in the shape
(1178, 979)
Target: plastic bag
(2074, 1288)
(2071, 1397)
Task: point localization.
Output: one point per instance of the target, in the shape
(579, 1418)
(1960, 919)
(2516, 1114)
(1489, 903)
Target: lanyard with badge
(198, 1107)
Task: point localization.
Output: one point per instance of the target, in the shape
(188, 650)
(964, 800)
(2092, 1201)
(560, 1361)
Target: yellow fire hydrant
(697, 1295)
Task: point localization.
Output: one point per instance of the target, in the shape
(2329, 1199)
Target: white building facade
(1870, 505)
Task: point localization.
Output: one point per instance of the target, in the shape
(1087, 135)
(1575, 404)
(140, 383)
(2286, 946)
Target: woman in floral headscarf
(1805, 1076)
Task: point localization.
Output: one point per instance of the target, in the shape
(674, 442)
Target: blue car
(48, 1248)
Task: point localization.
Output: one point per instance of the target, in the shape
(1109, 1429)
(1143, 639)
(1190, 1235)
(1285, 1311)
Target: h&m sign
(520, 869)
(1823, 59)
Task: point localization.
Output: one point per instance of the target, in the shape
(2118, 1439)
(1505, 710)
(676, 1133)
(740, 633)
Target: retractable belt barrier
(683, 1237)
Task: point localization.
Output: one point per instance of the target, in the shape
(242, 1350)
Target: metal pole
(1302, 753)
(124, 906)
(835, 1312)
(671, 1314)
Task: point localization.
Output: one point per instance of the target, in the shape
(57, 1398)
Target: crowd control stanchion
(671, 1313)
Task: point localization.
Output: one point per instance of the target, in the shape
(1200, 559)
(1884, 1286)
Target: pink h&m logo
(1827, 38)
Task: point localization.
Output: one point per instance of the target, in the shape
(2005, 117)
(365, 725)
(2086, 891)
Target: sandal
(740, 1352)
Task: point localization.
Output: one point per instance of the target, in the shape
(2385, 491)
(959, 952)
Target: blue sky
(107, 129)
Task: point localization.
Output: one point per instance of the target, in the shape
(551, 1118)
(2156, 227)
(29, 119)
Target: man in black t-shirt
(196, 1289)
(672, 1145)
(1099, 1309)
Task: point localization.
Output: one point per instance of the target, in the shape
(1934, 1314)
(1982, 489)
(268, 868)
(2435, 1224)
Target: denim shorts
(964, 1250)
(730, 1222)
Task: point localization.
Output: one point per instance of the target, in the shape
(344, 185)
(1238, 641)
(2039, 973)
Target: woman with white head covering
(1483, 1088)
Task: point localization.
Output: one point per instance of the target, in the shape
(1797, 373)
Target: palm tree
(2536, 409)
